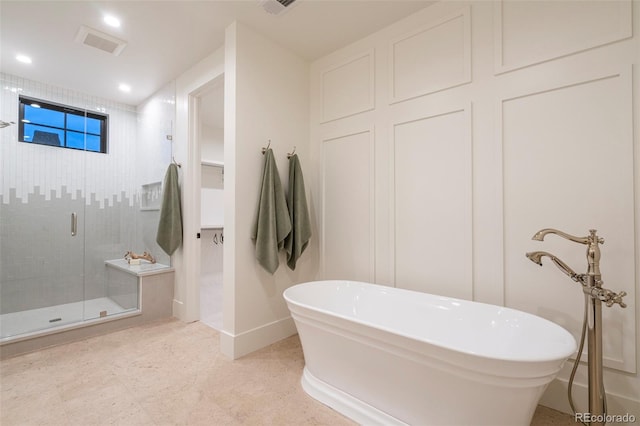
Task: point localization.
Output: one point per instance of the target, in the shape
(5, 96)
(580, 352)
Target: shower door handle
(74, 224)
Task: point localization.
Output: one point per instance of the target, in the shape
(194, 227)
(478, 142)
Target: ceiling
(165, 38)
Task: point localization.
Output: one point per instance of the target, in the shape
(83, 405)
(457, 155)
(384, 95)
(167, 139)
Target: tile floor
(211, 275)
(166, 373)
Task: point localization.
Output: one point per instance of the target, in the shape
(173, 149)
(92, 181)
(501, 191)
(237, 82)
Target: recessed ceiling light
(24, 59)
(13, 89)
(112, 21)
(124, 87)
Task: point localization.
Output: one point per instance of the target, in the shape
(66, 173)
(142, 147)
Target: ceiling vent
(99, 40)
(276, 7)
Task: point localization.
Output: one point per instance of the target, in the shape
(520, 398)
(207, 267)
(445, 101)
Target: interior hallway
(167, 373)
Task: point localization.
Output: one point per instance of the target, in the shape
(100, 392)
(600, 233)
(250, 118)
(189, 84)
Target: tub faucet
(592, 242)
(592, 288)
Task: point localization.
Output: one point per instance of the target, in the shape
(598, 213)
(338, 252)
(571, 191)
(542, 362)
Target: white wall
(153, 149)
(266, 97)
(156, 116)
(445, 141)
(212, 181)
(212, 197)
(212, 145)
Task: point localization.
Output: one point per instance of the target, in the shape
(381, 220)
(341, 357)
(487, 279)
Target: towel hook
(290, 154)
(264, 150)
(174, 162)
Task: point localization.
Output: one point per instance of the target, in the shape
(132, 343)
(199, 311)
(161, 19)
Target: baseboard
(241, 344)
(556, 397)
(178, 309)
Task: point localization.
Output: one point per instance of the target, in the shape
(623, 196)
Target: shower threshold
(25, 324)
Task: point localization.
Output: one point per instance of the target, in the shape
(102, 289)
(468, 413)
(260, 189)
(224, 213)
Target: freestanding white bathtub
(383, 355)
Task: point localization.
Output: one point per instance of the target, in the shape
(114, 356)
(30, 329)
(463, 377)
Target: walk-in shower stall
(75, 198)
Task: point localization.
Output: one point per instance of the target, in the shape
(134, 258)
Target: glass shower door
(41, 282)
(41, 226)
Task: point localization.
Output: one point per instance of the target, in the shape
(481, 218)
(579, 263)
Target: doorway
(211, 143)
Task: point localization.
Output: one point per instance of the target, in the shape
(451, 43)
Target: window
(47, 123)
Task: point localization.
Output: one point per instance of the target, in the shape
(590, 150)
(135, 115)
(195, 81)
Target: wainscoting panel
(552, 141)
(530, 32)
(347, 243)
(568, 164)
(348, 87)
(433, 204)
(433, 58)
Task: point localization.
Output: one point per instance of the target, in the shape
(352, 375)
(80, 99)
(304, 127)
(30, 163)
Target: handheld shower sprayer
(536, 257)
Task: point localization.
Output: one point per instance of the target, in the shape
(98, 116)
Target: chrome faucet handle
(617, 298)
(594, 238)
(607, 296)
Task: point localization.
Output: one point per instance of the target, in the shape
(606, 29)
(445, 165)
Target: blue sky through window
(44, 116)
(58, 125)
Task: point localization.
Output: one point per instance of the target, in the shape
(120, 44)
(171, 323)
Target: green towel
(169, 235)
(272, 223)
(298, 239)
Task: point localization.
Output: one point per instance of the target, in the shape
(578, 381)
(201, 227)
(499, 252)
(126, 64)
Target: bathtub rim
(449, 347)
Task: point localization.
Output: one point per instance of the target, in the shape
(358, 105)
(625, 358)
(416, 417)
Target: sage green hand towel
(272, 221)
(169, 236)
(298, 239)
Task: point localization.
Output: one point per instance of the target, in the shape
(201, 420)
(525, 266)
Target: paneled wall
(347, 209)
(431, 185)
(446, 140)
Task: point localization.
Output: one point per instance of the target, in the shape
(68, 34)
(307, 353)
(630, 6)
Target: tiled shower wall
(40, 186)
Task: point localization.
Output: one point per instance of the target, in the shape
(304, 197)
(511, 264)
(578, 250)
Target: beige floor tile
(172, 406)
(548, 417)
(43, 408)
(167, 373)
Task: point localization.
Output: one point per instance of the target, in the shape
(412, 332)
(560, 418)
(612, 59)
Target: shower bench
(155, 286)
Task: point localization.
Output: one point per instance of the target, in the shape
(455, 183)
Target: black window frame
(66, 109)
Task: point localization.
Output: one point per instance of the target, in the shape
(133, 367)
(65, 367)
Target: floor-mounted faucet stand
(592, 287)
